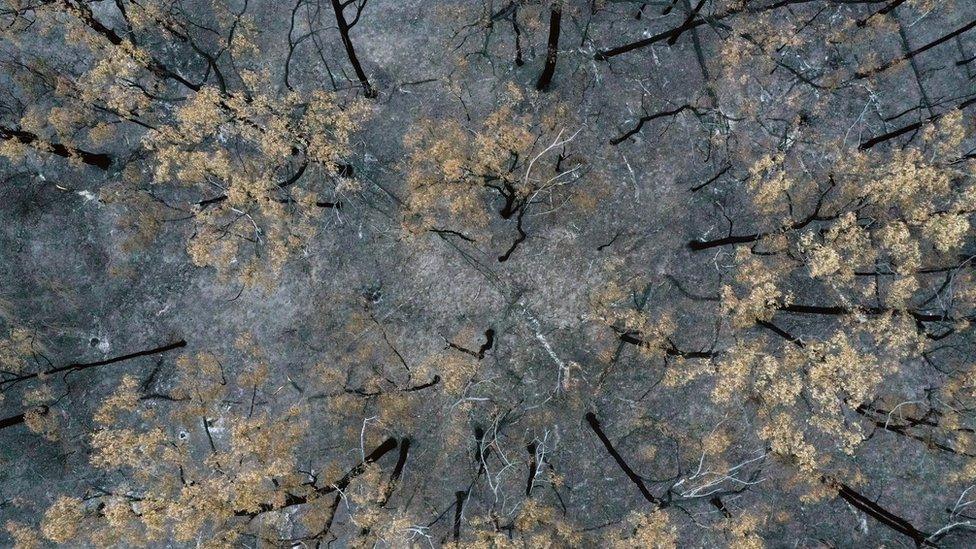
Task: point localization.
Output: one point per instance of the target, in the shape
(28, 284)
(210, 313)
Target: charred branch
(291, 500)
(344, 27)
(98, 160)
(552, 48)
(645, 119)
(20, 418)
(459, 498)
(533, 469)
(870, 143)
(79, 366)
(634, 477)
(880, 514)
(911, 54)
(518, 239)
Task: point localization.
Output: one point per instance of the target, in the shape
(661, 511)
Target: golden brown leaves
(24, 537)
(757, 293)
(266, 205)
(193, 472)
(15, 348)
(61, 520)
(652, 530)
(454, 173)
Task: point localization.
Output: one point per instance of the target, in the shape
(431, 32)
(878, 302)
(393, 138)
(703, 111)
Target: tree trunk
(344, 27)
(101, 161)
(78, 366)
(555, 17)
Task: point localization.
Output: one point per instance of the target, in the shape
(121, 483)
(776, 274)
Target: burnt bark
(19, 418)
(292, 500)
(518, 239)
(921, 49)
(533, 469)
(647, 118)
(459, 498)
(880, 514)
(98, 160)
(552, 48)
(887, 136)
(634, 477)
(344, 27)
(78, 366)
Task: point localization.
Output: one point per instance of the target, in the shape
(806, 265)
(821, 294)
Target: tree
(203, 469)
(844, 311)
(339, 7)
(520, 155)
(23, 359)
(251, 209)
(552, 47)
(619, 273)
